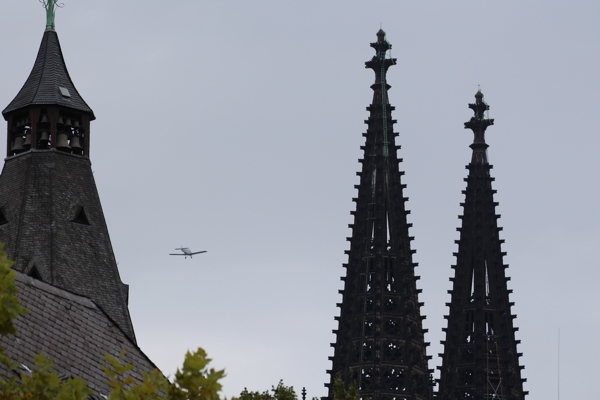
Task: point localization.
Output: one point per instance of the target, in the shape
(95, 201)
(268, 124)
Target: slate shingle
(76, 339)
(41, 191)
(48, 75)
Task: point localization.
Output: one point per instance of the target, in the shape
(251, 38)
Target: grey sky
(235, 127)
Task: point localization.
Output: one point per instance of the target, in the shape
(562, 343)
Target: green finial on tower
(50, 6)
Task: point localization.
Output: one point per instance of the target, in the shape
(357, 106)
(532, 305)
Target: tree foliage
(281, 392)
(195, 381)
(9, 303)
(125, 387)
(340, 392)
(43, 383)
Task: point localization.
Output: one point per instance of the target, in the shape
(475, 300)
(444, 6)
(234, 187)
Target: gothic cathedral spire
(380, 340)
(480, 359)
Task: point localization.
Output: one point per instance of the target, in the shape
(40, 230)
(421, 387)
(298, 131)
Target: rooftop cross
(50, 6)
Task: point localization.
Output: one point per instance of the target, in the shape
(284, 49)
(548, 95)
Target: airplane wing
(178, 254)
(198, 252)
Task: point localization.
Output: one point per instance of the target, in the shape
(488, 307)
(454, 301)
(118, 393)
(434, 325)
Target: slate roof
(41, 194)
(71, 330)
(48, 75)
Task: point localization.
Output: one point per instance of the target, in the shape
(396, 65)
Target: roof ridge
(46, 287)
(82, 300)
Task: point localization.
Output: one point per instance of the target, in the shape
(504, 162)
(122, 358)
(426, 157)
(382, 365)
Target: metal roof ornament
(50, 6)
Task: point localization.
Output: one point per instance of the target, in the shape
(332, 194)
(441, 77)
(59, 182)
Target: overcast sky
(235, 127)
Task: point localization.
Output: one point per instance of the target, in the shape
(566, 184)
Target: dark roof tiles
(48, 76)
(72, 331)
(40, 191)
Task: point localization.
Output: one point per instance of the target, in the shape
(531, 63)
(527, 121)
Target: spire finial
(478, 123)
(50, 6)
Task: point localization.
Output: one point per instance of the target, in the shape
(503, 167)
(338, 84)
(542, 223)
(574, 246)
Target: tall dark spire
(51, 219)
(480, 359)
(380, 340)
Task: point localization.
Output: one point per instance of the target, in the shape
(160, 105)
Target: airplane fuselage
(186, 252)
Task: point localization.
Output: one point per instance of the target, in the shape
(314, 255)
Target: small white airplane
(186, 252)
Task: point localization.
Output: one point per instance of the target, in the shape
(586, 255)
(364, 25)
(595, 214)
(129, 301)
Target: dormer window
(64, 92)
(81, 218)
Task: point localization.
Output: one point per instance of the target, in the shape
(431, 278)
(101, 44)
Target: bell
(43, 140)
(68, 122)
(44, 118)
(75, 144)
(62, 142)
(75, 123)
(17, 145)
(19, 123)
(61, 120)
(44, 136)
(27, 143)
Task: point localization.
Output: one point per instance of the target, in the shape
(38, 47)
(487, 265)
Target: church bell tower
(380, 343)
(51, 219)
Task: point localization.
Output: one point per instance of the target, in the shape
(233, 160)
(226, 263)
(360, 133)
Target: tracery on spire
(380, 342)
(480, 359)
